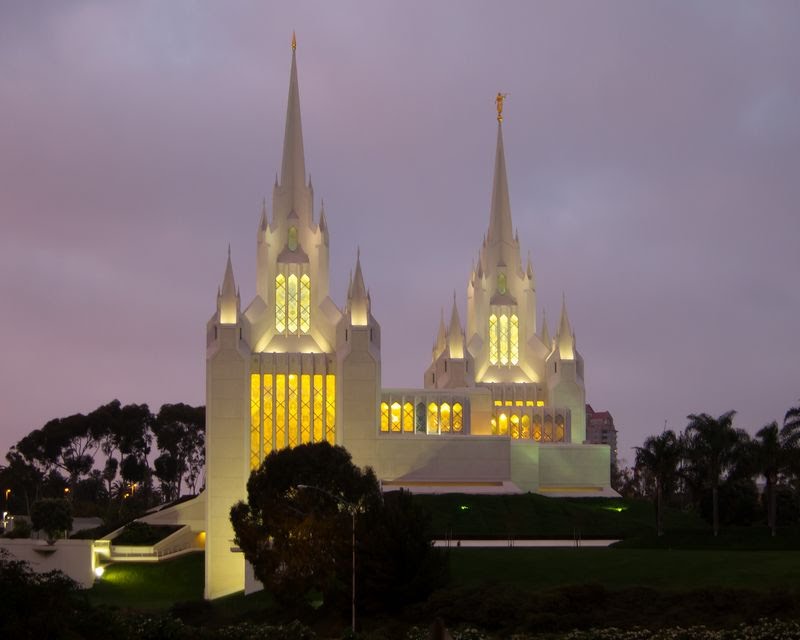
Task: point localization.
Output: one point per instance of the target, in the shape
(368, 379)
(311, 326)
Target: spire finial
(499, 102)
(294, 41)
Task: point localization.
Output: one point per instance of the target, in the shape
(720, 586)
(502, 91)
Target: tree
(714, 448)
(53, 516)
(296, 526)
(180, 435)
(659, 458)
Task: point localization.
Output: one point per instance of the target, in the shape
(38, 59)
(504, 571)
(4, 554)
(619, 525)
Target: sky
(653, 154)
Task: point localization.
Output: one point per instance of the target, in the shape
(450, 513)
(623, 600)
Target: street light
(352, 509)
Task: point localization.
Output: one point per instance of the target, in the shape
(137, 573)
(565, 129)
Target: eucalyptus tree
(658, 460)
(714, 448)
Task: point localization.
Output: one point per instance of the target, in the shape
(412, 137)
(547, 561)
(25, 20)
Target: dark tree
(659, 458)
(180, 436)
(53, 516)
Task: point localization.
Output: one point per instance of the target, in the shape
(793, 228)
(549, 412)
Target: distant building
(600, 430)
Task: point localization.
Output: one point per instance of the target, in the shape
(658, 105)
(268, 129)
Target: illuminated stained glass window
(291, 303)
(384, 416)
(515, 426)
(458, 417)
(408, 417)
(525, 432)
(559, 435)
(421, 418)
(319, 398)
(305, 303)
(493, 422)
(547, 431)
(433, 418)
(493, 339)
(305, 408)
(537, 428)
(255, 421)
(444, 417)
(280, 411)
(395, 416)
(330, 408)
(280, 303)
(502, 425)
(267, 410)
(513, 339)
(292, 410)
(501, 283)
(502, 337)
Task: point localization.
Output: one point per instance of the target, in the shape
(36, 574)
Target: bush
(21, 529)
(141, 533)
(52, 515)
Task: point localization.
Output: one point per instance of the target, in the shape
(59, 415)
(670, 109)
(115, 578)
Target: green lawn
(617, 568)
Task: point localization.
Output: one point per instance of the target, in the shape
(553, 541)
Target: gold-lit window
(319, 418)
(280, 303)
(433, 418)
(547, 431)
(330, 408)
(513, 339)
(537, 428)
(458, 417)
(559, 435)
(292, 410)
(305, 303)
(384, 416)
(502, 425)
(493, 423)
(498, 403)
(540, 403)
(408, 417)
(305, 408)
(518, 403)
(267, 411)
(291, 303)
(255, 421)
(444, 417)
(493, 339)
(525, 431)
(529, 403)
(394, 417)
(515, 426)
(502, 337)
(280, 411)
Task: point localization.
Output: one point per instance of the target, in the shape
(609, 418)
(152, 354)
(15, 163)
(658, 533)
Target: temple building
(502, 408)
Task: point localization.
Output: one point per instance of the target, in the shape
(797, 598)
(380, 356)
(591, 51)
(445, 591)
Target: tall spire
(293, 169)
(500, 227)
(565, 340)
(545, 332)
(228, 300)
(358, 298)
(441, 336)
(455, 335)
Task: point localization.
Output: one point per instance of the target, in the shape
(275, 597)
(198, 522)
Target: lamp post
(352, 509)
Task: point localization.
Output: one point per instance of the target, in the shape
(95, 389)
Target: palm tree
(659, 458)
(714, 447)
(769, 458)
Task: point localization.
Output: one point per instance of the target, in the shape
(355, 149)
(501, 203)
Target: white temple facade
(502, 408)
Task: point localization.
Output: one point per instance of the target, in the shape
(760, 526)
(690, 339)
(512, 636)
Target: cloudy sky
(653, 153)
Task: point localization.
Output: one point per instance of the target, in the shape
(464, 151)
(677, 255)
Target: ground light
(99, 571)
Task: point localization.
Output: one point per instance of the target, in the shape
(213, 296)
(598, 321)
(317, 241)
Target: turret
(452, 366)
(228, 301)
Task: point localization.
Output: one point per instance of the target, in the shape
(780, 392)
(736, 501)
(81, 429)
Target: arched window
(513, 339)
(502, 337)
(305, 303)
(537, 428)
(493, 339)
(395, 417)
(458, 417)
(526, 427)
(559, 435)
(384, 416)
(292, 239)
(501, 283)
(421, 418)
(515, 427)
(280, 303)
(502, 425)
(408, 417)
(444, 417)
(291, 303)
(433, 418)
(493, 422)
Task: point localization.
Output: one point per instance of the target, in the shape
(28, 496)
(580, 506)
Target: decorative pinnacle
(294, 41)
(499, 102)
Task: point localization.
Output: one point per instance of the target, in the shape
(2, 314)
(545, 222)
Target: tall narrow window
(513, 339)
(493, 339)
(502, 337)
(433, 418)
(305, 303)
(267, 411)
(444, 417)
(255, 420)
(493, 423)
(515, 426)
(408, 417)
(305, 408)
(292, 410)
(458, 417)
(502, 425)
(420, 416)
(319, 397)
(501, 283)
(280, 411)
(525, 432)
(292, 239)
(291, 303)
(280, 303)
(395, 417)
(384, 416)
(330, 408)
